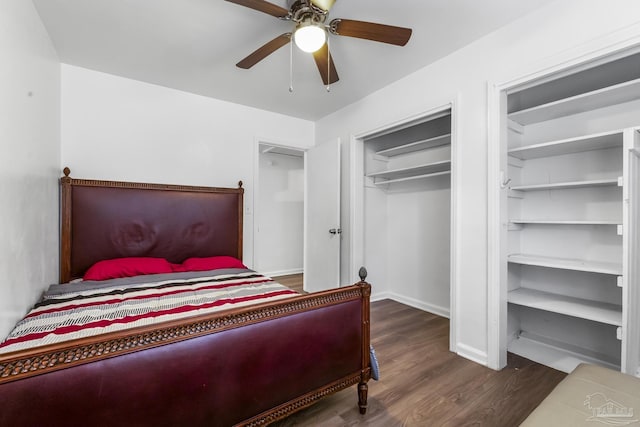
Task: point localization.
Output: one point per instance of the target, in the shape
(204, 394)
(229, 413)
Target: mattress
(79, 310)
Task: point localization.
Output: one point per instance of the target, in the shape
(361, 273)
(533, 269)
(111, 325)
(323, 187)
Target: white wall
(120, 129)
(419, 224)
(543, 39)
(29, 160)
(280, 214)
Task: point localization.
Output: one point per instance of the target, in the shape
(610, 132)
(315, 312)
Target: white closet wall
(407, 206)
(571, 244)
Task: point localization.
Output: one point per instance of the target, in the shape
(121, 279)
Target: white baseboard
(411, 302)
(462, 350)
(282, 272)
(379, 296)
(472, 354)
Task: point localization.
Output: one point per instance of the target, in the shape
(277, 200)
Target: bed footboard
(248, 366)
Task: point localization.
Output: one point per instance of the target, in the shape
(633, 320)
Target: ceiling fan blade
(323, 4)
(263, 6)
(325, 64)
(264, 51)
(368, 30)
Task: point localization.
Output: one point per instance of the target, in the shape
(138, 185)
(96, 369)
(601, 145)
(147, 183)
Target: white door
(322, 217)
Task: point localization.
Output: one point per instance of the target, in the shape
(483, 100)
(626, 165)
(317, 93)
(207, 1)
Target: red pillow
(127, 267)
(211, 263)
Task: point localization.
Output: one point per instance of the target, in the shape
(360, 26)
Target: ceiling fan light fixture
(309, 36)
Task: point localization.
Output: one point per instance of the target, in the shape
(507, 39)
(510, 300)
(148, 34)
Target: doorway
(279, 210)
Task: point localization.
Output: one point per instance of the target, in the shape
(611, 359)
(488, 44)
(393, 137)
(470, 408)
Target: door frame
(356, 217)
(258, 141)
(604, 49)
(631, 355)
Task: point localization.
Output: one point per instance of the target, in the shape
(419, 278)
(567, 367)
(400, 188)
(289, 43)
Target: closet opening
(403, 209)
(563, 203)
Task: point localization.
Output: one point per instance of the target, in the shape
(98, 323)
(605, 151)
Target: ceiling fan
(311, 32)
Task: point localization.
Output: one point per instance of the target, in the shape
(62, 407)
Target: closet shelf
(567, 185)
(567, 264)
(612, 95)
(412, 178)
(599, 141)
(610, 314)
(563, 222)
(553, 356)
(412, 147)
(411, 172)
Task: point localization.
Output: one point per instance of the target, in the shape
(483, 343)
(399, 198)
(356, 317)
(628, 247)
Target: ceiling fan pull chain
(291, 66)
(328, 66)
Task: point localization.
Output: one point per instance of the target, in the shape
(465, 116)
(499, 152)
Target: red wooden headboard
(111, 219)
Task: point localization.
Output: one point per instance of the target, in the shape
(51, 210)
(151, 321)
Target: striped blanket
(72, 311)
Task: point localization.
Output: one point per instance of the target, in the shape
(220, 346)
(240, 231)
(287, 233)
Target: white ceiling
(193, 45)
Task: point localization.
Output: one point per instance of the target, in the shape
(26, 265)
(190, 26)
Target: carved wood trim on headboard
(197, 238)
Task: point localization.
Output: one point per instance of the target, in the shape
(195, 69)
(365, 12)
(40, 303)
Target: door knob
(335, 231)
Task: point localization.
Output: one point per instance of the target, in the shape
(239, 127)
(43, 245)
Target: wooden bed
(241, 366)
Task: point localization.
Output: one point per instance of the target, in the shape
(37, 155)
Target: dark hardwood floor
(423, 384)
(293, 281)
